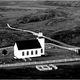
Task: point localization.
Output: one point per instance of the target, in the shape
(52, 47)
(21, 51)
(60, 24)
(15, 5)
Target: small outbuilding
(29, 48)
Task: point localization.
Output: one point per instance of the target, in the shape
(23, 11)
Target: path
(38, 62)
(60, 44)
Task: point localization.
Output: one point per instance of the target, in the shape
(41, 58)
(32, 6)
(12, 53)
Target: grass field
(58, 20)
(52, 53)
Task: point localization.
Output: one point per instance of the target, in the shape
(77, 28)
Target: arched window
(79, 51)
(22, 53)
(36, 52)
(27, 53)
(41, 50)
(31, 52)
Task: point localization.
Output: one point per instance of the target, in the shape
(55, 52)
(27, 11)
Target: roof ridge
(28, 44)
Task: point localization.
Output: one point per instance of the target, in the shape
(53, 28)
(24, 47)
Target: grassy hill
(56, 23)
(62, 3)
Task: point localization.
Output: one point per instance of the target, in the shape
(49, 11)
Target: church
(30, 48)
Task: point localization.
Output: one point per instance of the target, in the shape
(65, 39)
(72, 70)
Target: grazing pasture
(59, 20)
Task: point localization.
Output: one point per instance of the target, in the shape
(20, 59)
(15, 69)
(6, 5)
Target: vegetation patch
(36, 20)
(45, 15)
(62, 3)
(71, 37)
(57, 20)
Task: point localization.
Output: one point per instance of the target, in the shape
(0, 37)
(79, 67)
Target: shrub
(4, 52)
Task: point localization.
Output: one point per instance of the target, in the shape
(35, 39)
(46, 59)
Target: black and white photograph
(40, 39)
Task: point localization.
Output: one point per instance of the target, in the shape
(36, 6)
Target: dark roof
(28, 44)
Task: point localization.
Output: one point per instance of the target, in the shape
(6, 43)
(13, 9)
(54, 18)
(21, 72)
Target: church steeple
(41, 39)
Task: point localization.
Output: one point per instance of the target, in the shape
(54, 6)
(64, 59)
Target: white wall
(15, 50)
(18, 53)
(42, 42)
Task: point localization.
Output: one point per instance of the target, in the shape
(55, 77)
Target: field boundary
(38, 62)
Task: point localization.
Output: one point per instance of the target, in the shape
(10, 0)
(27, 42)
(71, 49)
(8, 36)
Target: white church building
(30, 48)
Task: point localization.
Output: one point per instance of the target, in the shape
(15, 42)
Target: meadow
(38, 16)
(58, 20)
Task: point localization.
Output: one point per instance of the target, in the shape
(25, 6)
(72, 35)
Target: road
(55, 42)
(18, 7)
(55, 62)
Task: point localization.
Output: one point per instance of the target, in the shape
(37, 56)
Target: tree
(4, 52)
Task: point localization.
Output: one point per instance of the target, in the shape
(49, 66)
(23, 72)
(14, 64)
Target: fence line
(38, 62)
